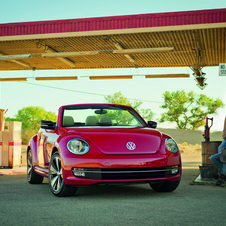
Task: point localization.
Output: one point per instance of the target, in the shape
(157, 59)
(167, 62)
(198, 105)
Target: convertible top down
(102, 144)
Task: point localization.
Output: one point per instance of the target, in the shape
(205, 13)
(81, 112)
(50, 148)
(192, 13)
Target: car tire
(32, 177)
(165, 186)
(56, 181)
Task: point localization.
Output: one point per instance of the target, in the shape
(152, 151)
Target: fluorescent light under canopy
(144, 50)
(111, 77)
(15, 57)
(168, 76)
(56, 78)
(70, 54)
(12, 79)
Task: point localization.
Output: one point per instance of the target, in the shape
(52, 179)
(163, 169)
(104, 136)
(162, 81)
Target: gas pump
(209, 148)
(206, 134)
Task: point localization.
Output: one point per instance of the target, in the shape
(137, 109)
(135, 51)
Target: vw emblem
(131, 146)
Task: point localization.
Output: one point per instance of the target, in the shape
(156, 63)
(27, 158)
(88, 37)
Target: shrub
(27, 135)
(185, 143)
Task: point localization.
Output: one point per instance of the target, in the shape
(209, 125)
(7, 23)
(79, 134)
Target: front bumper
(132, 170)
(125, 174)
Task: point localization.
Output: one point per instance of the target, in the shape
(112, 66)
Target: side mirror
(48, 125)
(152, 124)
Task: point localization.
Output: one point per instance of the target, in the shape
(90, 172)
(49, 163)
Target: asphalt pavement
(190, 204)
(24, 204)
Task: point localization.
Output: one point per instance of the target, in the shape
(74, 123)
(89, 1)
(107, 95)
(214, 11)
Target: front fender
(33, 146)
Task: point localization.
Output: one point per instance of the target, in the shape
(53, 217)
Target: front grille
(124, 173)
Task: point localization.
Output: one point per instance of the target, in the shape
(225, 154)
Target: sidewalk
(17, 169)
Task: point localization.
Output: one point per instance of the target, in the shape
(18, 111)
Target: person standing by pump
(219, 159)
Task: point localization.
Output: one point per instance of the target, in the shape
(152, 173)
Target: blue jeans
(215, 159)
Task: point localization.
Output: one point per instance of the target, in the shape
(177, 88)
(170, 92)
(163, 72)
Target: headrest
(91, 121)
(68, 121)
(106, 120)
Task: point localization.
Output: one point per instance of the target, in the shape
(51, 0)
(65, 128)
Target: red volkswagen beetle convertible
(102, 144)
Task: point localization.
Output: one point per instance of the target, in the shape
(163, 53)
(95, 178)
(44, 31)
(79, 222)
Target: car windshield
(101, 115)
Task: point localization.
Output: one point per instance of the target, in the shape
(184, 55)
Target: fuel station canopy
(193, 39)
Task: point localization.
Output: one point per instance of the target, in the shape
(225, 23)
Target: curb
(199, 181)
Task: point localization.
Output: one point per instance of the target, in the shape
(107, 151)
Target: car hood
(123, 140)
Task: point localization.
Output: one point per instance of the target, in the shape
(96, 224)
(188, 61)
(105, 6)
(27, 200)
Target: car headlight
(78, 146)
(171, 145)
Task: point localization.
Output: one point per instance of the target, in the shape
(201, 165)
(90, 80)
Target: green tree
(32, 116)
(188, 110)
(118, 98)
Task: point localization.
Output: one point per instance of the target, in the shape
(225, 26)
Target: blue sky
(50, 95)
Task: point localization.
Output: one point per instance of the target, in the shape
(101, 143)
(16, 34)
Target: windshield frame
(129, 109)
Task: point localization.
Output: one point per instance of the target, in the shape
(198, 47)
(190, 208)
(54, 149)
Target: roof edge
(111, 32)
(118, 17)
(136, 21)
